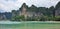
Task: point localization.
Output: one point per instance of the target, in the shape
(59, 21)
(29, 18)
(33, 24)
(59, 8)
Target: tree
(18, 18)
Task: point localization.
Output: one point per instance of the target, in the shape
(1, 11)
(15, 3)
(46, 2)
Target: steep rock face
(8, 15)
(57, 9)
(58, 5)
(29, 11)
(57, 12)
(23, 9)
(4, 16)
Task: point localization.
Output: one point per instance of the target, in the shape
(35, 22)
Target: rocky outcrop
(5, 16)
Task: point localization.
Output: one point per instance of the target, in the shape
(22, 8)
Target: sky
(9, 5)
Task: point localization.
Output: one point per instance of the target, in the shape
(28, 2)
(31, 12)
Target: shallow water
(30, 25)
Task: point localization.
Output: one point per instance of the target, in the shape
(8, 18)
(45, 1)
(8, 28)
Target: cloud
(11, 0)
(8, 5)
(5, 5)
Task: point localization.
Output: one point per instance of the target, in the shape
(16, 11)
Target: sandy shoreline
(14, 22)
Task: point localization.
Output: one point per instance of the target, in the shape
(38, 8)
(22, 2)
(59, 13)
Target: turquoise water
(31, 25)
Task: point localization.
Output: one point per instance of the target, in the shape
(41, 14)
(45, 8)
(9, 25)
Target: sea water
(28, 25)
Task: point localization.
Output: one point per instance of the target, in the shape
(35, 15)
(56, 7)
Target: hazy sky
(8, 5)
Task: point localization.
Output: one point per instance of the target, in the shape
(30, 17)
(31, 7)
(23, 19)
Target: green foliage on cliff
(48, 13)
